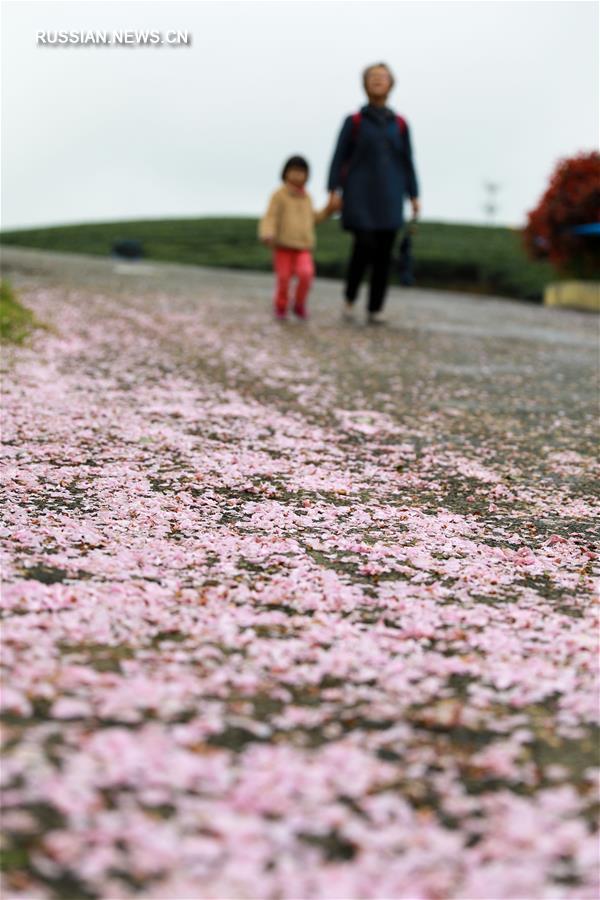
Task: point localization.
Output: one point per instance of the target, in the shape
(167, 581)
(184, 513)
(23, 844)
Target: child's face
(378, 82)
(297, 177)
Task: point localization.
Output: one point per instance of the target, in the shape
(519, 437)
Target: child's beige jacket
(290, 219)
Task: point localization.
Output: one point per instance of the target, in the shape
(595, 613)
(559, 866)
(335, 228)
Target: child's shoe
(300, 312)
(280, 316)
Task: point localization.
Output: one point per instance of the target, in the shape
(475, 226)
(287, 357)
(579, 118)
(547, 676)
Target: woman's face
(378, 82)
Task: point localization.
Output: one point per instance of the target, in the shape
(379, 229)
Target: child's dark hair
(295, 162)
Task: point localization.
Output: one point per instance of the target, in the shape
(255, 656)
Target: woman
(373, 168)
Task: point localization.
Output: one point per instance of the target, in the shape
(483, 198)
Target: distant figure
(288, 227)
(128, 248)
(373, 171)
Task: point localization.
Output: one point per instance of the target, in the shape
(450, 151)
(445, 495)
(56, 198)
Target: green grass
(16, 321)
(478, 259)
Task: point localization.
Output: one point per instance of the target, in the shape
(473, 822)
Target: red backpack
(356, 120)
(357, 117)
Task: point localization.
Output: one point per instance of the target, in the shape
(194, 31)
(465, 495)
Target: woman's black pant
(374, 249)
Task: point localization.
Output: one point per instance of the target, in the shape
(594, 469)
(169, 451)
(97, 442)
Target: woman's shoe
(376, 318)
(348, 312)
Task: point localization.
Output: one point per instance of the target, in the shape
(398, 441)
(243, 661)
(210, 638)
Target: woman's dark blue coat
(375, 170)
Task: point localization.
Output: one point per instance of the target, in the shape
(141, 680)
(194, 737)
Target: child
(288, 227)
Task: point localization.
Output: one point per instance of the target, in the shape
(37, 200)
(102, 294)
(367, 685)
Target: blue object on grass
(593, 228)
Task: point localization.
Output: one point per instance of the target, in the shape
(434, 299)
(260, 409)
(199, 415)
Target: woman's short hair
(295, 162)
(380, 65)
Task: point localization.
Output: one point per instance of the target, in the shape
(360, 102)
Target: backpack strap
(357, 118)
(402, 126)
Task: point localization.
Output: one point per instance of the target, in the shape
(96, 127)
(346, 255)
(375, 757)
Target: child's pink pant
(289, 263)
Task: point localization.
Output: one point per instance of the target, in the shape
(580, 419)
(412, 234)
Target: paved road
(296, 610)
(504, 366)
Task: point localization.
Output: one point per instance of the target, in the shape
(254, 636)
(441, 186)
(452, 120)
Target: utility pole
(490, 206)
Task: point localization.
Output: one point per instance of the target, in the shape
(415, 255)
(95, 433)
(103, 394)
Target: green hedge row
(480, 259)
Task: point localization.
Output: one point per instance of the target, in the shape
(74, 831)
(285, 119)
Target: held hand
(335, 202)
(268, 241)
(416, 207)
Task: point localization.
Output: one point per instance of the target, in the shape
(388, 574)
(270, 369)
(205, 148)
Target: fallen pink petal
(281, 625)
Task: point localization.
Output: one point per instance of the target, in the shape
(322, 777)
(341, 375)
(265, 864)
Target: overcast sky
(492, 91)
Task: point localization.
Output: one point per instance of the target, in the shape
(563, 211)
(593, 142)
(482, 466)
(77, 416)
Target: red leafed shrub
(572, 198)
